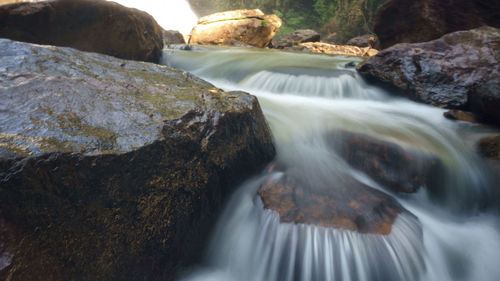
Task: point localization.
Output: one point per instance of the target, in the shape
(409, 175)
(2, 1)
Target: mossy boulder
(111, 169)
(88, 25)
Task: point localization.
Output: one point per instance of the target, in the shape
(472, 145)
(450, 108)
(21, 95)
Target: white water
(303, 98)
(170, 14)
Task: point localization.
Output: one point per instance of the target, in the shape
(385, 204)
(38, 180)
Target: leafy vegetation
(345, 18)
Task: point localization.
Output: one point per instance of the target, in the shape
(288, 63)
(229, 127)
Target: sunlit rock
(111, 169)
(87, 25)
(343, 50)
(250, 27)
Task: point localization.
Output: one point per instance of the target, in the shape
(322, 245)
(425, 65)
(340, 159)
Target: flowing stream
(454, 233)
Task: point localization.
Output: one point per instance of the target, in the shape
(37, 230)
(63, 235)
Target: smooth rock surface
(171, 37)
(363, 41)
(250, 27)
(412, 21)
(460, 70)
(112, 169)
(342, 50)
(390, 165)
(342, 202)
(88, 25)
(296, 37)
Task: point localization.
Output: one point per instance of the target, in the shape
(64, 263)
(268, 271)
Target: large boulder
(250, 27)
(296, 37)
(389, 164)
(342, 202)
(88, 25)
(111, 169)
(460, 70)
(411, 21)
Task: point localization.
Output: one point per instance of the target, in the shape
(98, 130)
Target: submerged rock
(393, 167)
(343, 50)
(403, 21)
(250, 27)
(460, 70)
(110, 169)
(88, 25)
(461, 115)
(341, 202)
(296, 37)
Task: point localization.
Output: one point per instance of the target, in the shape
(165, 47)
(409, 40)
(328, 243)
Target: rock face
(296, 37)
(343, 50)
(172, 37)
(250, 27)
(342, 203)
(403, 21)
(88, 25)
(363, 41)
(459, 70)
(387, 163)
(109, 169)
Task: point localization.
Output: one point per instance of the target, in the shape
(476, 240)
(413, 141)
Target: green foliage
(347, 18)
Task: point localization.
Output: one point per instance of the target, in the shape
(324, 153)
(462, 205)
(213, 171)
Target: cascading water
(448, 234)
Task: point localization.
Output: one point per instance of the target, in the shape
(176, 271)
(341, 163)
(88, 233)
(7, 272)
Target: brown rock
(112, 169)
(461, 115)
(411, 21)
(296, 37)
(395, 168)
(343, 50)
(250, 27)
(88, 25)
(459, 71)
(342, 202)
(171, 37)
(489, 147)
(363, 41)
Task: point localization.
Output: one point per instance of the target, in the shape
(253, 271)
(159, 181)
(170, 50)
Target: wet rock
(341, 202)
(489, 147)
(250, 27)
(363, 41)
(343, 50)
(112, 169)
(88, 25)
(458, 71)
(172, 37)
(403, 21)
(461, 115)
(390, 165)
(296, 37)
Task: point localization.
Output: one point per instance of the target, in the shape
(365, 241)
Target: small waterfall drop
(170, 14)
(448, 232)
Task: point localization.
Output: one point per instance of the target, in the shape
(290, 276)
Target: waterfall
(448, 232)
(170, 14)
